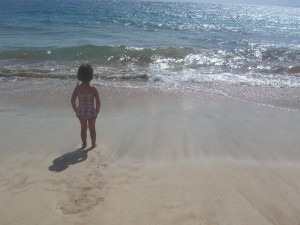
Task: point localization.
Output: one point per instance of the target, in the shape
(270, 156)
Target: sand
(163, 158)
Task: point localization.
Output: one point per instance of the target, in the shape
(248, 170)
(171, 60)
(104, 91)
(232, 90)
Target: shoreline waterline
(284, 98)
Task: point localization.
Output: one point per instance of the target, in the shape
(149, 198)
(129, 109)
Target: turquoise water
(170, 42)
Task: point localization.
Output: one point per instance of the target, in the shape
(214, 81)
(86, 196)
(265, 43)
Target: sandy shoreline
(163, 158)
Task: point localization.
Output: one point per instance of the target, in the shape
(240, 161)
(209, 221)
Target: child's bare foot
(83, 146)
(94, 146)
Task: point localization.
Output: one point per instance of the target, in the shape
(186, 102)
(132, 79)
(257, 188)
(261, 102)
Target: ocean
(151, 43)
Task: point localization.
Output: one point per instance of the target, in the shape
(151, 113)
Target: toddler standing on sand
(88, 103)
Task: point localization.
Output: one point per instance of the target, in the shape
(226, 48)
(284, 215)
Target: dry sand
(163, 159)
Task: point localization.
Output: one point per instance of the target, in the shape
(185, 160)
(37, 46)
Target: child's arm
(97, 100)
(73, 99)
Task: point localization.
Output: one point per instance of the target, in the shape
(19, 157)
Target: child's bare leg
(92, 129)
(83, 124)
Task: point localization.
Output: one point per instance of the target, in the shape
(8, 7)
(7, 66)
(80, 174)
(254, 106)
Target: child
(89, 103)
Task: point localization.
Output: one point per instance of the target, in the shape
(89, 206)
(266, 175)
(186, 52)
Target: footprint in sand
(19, 183)
(81, 200)
(83, 190)
(95, 159)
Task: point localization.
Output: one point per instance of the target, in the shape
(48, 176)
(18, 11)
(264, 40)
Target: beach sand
(163, 158)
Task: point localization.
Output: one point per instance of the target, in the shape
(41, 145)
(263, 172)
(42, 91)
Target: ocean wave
(111, 54)
(97, 53)
(253, 65)
(167, 77)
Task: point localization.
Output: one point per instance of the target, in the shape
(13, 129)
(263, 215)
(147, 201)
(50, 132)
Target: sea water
(153, 42)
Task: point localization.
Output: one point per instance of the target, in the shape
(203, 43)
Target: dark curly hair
(85, 72)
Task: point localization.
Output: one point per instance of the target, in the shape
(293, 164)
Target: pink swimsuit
(86, 108)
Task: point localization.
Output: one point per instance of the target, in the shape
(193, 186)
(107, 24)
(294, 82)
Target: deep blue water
(155, 41)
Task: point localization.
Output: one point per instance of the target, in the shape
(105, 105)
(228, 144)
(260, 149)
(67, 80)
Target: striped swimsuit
(86, 109)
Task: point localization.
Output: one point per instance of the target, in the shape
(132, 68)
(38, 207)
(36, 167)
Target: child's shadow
(63, 162)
